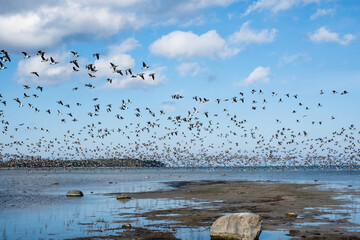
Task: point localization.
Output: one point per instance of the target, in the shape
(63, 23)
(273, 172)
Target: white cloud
(322, 12)
(45, 24)
(247, 35)
(190, 69)
(324, 35)
(276, 5)
(49, 74)
(294, 58)
(260, 74)
(116, 55)
(62, 72)
(198, 4)
(189, 45)
(126, 46)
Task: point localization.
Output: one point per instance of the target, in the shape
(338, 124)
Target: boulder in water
(74, 193)
(123, 196)
(291, 214)
(237, 226)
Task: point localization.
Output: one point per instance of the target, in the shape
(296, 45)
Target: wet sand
(270, 200)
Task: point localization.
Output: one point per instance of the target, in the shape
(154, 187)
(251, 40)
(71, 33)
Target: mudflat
(322, 213)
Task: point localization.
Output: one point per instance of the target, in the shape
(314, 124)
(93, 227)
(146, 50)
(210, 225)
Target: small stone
(74, 193)
(237, 226)
(291, 214)
(126, 226)
(294, 233)
(123, 196)
(54, 183)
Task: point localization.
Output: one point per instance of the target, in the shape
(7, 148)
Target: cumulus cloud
(48, 25)
(260, 74)
(117, 55)
(322, 12)
(275, 5)
(247, 35)
(62, 72)
(324, 35)
(190, 69)
(43, 24)
(190, 45)
(126, 46)
(49, 74)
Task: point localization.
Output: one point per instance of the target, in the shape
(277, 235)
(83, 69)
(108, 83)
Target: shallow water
(33, 208)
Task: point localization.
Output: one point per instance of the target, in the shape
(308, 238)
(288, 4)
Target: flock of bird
(193, 138)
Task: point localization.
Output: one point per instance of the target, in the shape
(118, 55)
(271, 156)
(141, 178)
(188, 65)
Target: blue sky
(209, 48)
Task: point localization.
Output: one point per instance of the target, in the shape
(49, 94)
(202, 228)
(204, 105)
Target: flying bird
(97, 55)
(145, 66)
(26, 55)
(152, 75)
(6, 55)
(2, 67)
(76, 54)
(35, 73)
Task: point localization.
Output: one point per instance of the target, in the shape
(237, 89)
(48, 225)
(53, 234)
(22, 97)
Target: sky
(212, 49)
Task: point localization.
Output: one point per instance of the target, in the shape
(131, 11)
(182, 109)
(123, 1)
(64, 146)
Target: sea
(33, 208)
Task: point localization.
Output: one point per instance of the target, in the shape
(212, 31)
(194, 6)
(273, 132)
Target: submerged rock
(237, 226)
(123, 196)
(74, 193)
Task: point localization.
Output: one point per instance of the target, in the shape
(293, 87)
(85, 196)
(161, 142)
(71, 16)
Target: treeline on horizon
(88, 163)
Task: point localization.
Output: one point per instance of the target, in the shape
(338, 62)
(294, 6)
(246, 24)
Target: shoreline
(269, 199)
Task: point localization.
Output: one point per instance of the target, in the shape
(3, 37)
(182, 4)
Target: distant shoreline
(135, 163)
(79, 164)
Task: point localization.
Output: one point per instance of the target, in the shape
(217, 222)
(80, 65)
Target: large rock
(123, 196)
(291, 214)
(244, 226)
(74, 193)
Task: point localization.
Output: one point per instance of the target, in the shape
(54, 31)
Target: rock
(123, 196)
(74, 193)
(126, 226)
(294, 233)
(244, 226)
(291, 214)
